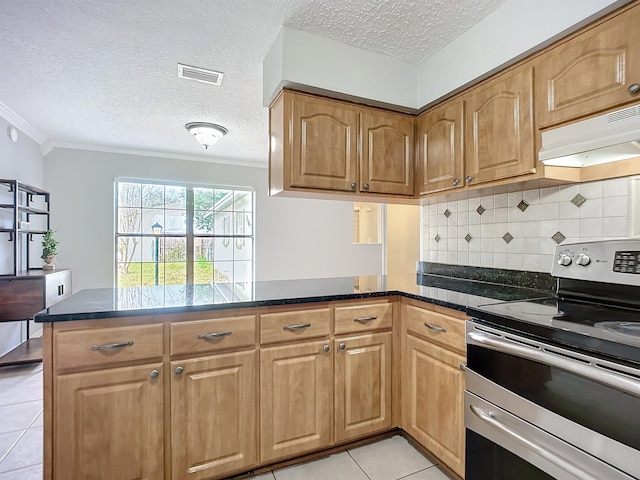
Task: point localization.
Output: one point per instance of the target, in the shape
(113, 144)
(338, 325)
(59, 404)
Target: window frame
(189, 234)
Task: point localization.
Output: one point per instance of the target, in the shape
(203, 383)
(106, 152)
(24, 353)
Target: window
(203, 235)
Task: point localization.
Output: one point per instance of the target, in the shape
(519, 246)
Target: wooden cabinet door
(295, 399)
(440, 148)
(386, 164)
(433, 400)
(109, 424)
(591, 72)
(324, 151)
(362, 385)
(213, 415)
(499, 128)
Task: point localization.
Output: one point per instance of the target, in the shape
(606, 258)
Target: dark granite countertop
(453, 293)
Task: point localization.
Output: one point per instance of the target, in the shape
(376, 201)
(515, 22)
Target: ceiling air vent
(200, 74)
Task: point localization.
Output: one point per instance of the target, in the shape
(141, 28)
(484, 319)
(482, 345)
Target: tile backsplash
(519, 229)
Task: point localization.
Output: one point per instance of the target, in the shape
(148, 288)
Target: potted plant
(49, 250)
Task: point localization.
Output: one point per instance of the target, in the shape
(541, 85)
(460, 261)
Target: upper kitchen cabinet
(499, 130)
(387, 152)
(440, 148)
(594, 71)
(314, 147)
(320, 142)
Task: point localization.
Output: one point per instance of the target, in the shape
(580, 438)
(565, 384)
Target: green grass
(171, 273)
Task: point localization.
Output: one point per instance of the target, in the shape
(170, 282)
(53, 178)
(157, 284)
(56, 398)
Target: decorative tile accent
(468, 238)
(578, 200)
(481, 210)
(447, 213)
(437, 238)
(559, 237)
(523, 205)
(507, 237)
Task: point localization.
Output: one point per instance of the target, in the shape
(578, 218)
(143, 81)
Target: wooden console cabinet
(21, 297)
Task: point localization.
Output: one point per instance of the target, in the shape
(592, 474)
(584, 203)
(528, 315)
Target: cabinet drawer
(104, 346)
(359, 318)
(58, 287)
(440, 329)
(288, 326)
(214, 334)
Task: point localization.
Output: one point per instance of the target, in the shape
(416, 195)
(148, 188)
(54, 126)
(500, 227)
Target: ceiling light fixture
(206, 133)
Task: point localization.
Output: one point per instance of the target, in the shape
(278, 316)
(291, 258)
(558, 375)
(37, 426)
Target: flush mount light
(206, 133)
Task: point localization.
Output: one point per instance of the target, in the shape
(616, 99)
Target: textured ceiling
(103, 73)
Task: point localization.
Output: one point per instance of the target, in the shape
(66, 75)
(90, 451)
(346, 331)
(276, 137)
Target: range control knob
(583, 260)
(564, 260)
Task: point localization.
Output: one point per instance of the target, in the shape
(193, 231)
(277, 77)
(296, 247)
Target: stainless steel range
(553, 384)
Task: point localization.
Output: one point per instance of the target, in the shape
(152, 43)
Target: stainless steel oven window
(528, 361)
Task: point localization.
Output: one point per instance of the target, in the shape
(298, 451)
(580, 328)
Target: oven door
(537, 406)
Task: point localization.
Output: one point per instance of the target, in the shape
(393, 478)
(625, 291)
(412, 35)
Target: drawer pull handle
(435, 327)
(208, 336)
(111, 346)
(300, 326)
(365, 319)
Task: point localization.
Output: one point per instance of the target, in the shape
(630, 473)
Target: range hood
(606, 138)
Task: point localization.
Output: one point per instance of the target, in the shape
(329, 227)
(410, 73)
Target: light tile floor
(21, 422)
(390, 459)
(21, 443)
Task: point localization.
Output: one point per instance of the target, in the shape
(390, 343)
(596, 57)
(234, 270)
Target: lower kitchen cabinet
(433, 400)
(109, 424)
(213, 415)
(295, 399)
(362, 385)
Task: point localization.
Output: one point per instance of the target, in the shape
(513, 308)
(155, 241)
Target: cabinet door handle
(469, 179)
(365, 319)
(634, 88)
(365, 186)
(456, 182)
(60, 290)
(300, 326)
(435, 327)
(208, 336)
(179, 370)
(326, 348)
(154, 374)
(354, 186)
(111, 346)
(342, 346)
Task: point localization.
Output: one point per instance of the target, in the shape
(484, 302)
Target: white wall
(304, 58)
(294, 238)
(513, 29)
(402, 238)
(18, 161)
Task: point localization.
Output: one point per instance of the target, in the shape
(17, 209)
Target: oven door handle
(489, 418)
(564, 362)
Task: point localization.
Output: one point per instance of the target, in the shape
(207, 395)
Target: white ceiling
(104, 72)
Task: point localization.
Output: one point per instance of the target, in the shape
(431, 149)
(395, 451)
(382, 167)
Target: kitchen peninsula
(207, 381)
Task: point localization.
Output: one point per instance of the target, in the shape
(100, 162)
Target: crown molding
(48, 146)
(21, 124)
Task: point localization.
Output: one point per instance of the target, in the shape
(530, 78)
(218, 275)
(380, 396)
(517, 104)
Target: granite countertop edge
(459, 294)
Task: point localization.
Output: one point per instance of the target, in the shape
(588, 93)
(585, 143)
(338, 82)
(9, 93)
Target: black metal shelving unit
(22, 210)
